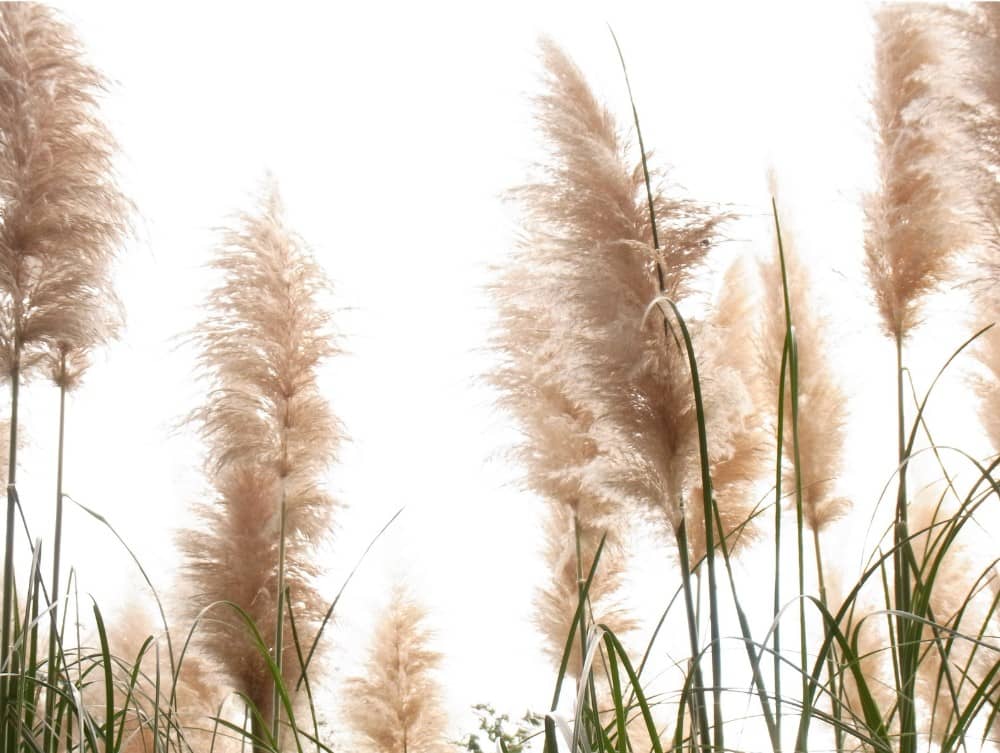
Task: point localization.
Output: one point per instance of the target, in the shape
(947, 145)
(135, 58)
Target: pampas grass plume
(396, 707)
(63, 217)
(589, 231)
(739, 457)
(914, 219)
(822, 416)
(270, 435)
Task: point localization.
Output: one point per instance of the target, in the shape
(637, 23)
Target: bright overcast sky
(393, 132)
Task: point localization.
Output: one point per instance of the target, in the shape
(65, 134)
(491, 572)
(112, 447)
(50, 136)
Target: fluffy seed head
(270, 436)
(822, 413)
(915, 220)
(397, 706)
(63, 216)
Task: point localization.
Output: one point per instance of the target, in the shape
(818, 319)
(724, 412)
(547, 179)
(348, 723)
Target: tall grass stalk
(63, 220)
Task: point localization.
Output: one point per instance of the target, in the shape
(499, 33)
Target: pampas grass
(916, 223)
(270, 435)
(915, 220)
(63, 220)
(396, 707)
(642, 402)
(820, 429)
(589, 233)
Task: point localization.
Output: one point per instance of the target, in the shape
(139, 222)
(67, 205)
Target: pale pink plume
(64, 217)
(916, 219)
(397, 706)
(585, 275)
(822, 404)
(740, 454)
(270, 437)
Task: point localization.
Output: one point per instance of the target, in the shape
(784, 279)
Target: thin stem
(831, 665)
(6, 669)
(905, 651)
(53, 668)
(581, 596)
(776, 606)
(698, 686)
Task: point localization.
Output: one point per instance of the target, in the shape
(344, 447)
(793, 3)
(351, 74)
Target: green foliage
(500, 731)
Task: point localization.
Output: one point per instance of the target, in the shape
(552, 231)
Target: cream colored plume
(397, 706)
(270, 436)
(618, 391)
(739, 453)
(822, 413)
(960, 602)
(64, 217)
(978, 25)
(183, 722)
(915, 219)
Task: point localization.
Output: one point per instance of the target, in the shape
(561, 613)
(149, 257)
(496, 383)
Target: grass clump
(647, 395)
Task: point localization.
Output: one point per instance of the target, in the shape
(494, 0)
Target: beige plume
(958, 602)
(589, 244)
(270, 436)
(914, 219)
(182, 724)
(739, 455)
(397, 706)
(822, 413)
(978, 26)
(64, 217)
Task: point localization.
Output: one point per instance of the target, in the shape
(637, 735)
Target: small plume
(63, 215)
(397, 706)
(822, 413)
(270, 436)
(569, 554)
(198, 696)
(978, 26)
(864, 626)
(739, 455)
(914, 220)
(958, 602)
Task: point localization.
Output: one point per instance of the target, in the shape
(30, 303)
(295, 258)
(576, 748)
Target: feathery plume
(537, 386)
(822, 412)
(978, 28)
(590, 241)
(62, 219)
(957, 603)
(63, 215)
(569, 553)
(914, 218)
(198, 697)
(739, 457)
(270, 435)
(397, 707)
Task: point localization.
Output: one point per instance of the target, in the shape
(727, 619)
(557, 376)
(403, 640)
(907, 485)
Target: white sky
(394, 130)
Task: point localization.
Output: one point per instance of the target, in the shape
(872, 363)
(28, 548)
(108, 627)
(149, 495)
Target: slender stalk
(906, 652)
(581, 594)
(53, 666)
(707, 497)
(6, 669)
(793, 368)
(831, 664)
(698, 686)
(776, 606)
(257, 734)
